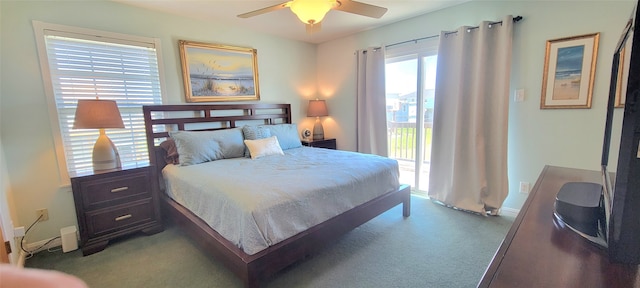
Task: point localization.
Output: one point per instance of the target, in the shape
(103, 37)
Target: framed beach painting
(621, 88)
(569, 72)
(623, 70)
(214, 72)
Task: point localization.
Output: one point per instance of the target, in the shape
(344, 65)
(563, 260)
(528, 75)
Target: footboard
(253, 269)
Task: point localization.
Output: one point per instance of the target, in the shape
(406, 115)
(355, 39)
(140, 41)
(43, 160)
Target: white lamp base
(318, 130)
(105, 154)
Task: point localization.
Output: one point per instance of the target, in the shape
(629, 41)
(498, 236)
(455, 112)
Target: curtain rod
(515, 19)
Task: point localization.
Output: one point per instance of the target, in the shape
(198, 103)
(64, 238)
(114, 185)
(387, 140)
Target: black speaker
(578, 206)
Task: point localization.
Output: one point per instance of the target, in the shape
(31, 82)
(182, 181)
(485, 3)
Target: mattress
(258, 203)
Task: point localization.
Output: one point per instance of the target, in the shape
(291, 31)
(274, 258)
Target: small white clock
(306, 133)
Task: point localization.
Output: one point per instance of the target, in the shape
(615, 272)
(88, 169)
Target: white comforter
(258, 203)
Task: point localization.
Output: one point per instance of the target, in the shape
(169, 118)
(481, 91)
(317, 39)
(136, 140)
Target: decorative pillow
(172, 156)
(253, 133)
(263, 147)
(196, 146)
(287, 135)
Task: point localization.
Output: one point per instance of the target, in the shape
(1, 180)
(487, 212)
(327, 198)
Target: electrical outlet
(44, 213)
(524, 187)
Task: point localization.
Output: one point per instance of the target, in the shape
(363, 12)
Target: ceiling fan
(311, 12)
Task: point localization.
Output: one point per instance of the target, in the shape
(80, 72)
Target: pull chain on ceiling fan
(311, 12)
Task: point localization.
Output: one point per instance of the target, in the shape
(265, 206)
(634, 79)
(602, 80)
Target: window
(87, 64)
(410, 74)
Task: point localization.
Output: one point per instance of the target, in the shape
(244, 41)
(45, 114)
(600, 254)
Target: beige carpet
(435, 247)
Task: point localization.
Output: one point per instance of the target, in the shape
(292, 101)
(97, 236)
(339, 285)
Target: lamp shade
(317, 108)
(311, 11)
(97, 114)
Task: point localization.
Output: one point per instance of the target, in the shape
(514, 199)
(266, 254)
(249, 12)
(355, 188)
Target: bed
(275, 250)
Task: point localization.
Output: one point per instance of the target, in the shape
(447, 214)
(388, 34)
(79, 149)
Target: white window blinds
(85, 66)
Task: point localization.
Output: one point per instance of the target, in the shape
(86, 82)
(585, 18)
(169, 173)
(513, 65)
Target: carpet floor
(434, 247)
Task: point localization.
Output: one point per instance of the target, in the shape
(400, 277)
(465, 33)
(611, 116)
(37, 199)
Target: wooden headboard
(160, 119)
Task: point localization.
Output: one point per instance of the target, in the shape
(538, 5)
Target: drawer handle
(116, 190)
(123, 217)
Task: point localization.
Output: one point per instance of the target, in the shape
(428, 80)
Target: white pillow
(253, 133)
(264, 147)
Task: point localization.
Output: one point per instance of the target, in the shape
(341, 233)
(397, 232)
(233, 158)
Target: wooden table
(538, 252)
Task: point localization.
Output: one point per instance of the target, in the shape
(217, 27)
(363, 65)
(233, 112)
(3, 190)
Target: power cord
(25, 234)
(30, 253)
(43, 245)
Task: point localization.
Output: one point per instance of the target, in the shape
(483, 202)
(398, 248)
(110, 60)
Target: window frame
(41, 30)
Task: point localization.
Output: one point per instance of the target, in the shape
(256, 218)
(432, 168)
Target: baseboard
(511, 212)
(35, 246)
(22, 256)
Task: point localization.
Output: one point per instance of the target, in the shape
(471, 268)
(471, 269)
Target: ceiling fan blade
(360, 8)
(265, 10)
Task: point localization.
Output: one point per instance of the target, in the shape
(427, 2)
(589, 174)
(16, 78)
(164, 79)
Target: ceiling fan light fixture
(311, 11)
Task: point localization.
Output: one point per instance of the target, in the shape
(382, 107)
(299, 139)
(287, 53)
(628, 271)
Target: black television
(622, 192)
(608, 213)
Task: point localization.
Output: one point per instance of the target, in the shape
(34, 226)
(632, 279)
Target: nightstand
(115, 203)
(325, 143)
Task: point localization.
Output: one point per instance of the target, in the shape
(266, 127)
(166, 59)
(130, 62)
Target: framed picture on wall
(623, 70)
(621, 88)
(569, 72)
(214, 72)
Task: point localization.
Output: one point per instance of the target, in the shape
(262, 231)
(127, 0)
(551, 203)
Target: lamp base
(318, 130)
(105, 154)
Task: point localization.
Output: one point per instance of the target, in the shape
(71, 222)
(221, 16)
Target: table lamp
(100, 114)
(317, 108)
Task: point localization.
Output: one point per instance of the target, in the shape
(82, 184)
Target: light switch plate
(519, 95)
(525, 187)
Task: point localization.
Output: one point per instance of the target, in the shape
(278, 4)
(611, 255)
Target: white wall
(287, 74)
(566, 137)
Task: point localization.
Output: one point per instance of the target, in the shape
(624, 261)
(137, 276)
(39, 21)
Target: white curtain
(469, 148)
(371, 111)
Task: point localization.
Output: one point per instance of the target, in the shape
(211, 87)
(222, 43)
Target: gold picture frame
(569, 72)
(623, 70)
(621, 87)
(213, 72)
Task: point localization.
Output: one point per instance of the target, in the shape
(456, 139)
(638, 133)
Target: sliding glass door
(410, 86)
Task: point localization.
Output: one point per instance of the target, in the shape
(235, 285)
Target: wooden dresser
(113, 204)
(539, 252)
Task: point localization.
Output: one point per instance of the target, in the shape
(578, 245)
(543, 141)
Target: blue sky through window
(401, 76)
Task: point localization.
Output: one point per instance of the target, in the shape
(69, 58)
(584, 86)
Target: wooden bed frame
(250, 268)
